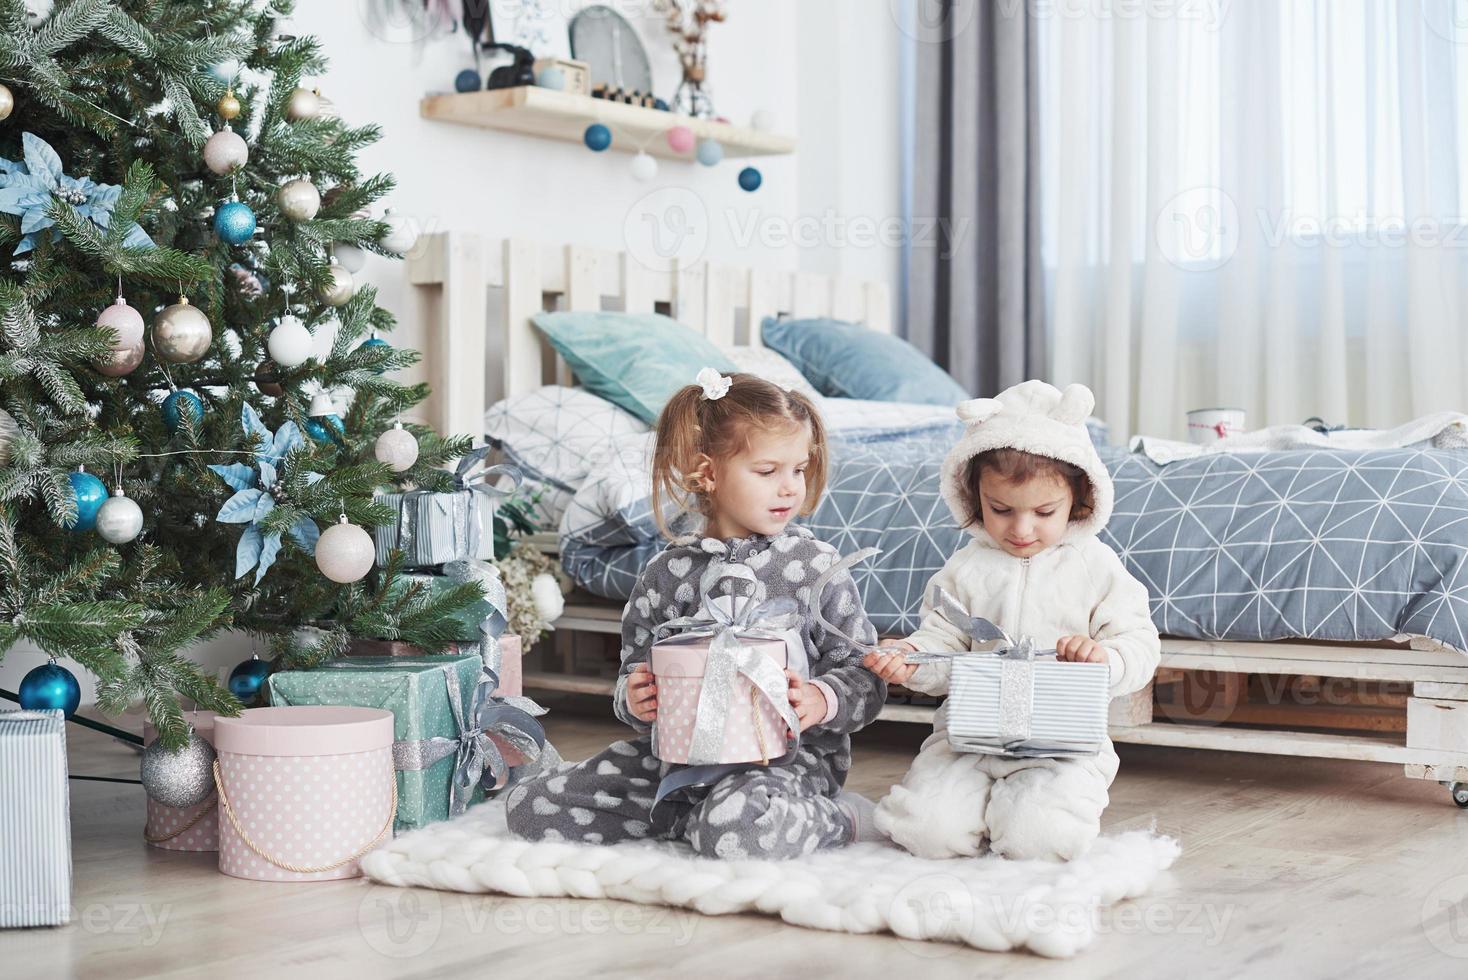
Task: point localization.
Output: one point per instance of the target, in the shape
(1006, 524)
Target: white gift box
(35, 820)
(1020, 704)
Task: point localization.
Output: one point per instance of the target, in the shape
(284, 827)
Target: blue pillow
(634, 360)
(845, 360)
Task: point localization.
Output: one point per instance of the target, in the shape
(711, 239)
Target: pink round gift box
(194, 828)
(311, 787)
(753, 729)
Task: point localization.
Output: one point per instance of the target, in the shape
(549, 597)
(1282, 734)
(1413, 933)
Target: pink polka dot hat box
(194, 828)
(304, 792)
(753, 729)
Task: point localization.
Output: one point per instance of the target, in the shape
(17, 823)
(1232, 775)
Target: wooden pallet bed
(476, 297)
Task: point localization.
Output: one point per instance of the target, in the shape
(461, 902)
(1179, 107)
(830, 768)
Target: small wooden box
(1434, 723)
(578, 73)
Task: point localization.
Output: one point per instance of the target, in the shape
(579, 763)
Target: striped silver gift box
(436, 528)
(1022, 704)
(35, 820)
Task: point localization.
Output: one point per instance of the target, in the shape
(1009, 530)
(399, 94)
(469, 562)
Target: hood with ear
(1037, 418)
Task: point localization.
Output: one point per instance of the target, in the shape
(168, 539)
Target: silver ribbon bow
(727, 625)
(477, 757)
(978, 629)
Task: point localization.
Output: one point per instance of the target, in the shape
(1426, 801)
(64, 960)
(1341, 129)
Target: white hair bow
(714, 384)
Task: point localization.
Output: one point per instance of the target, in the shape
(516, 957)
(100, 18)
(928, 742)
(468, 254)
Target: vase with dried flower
(688, 22)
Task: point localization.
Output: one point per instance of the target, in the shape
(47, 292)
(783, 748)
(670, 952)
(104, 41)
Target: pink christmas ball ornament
(127, 351)
(681, 139)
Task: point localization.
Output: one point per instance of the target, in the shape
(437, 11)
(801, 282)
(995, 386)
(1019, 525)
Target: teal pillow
(846, 360)
(634, 360)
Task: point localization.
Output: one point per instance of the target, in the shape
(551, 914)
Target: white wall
(826, 69)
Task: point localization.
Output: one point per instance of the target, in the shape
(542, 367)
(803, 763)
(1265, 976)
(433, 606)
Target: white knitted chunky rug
(988, 903)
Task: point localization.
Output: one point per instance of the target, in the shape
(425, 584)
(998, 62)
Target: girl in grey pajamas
(748, 456)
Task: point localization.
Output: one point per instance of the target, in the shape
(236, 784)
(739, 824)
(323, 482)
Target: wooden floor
(1290, 868)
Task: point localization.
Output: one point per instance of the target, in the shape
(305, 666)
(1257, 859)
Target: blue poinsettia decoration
(254, 497)
(27, 187)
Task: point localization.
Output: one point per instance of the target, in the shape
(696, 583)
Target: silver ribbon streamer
(1016, 692)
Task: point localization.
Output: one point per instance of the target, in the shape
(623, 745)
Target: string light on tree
(182, 333)
(225, 152)
(397, 448)
(345, 552)
(127, 349)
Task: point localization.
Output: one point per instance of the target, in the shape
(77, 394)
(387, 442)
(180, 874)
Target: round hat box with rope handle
(194, 828)
(304, 792)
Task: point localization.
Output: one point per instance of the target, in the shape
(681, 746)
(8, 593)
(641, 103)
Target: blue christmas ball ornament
(246, 679)
(179, 402)
(598, 137)
(50, 686)
(710, 152)
(750, 179)
(234, 222)
(377, 343)
(326, 428)
(90, 496)
(467, 81)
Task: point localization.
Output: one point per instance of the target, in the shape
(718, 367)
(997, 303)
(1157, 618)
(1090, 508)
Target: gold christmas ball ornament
(302, 104)
(7, 102)
(182, 333)
(229, 106)
(299, 200)
(340, 289)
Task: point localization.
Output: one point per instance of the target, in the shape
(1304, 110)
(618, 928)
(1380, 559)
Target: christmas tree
(171, 152)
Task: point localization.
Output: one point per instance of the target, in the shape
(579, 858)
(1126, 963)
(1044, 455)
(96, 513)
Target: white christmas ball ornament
(644, 167)
(352, 258)
(120, 519)
(345, 552)
(400, 237)
(225, 152)
(340, 289)
(37, 12)
(290, 343)
(299, 200)
(397, 448)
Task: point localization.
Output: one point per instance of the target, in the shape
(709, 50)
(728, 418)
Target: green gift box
(427, 749)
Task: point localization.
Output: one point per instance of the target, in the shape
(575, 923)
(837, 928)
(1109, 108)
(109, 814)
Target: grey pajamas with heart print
(763, 812)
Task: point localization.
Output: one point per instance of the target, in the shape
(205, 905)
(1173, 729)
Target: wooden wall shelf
(556, 115)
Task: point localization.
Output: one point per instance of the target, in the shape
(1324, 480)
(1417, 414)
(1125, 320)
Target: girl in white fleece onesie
(1027, 483)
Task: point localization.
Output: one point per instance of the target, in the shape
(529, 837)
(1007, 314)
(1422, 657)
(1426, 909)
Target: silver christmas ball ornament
(179, 779)
(299, 200)
(397, 448)
(181, 333)
(345, 552)
(225, 152)
(400, 237)
(340, 289)
(302, 104)
(120, 519)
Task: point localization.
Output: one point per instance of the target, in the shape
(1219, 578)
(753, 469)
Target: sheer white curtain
(1257, 204)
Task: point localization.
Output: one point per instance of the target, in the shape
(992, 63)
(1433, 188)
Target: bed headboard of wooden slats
(476, 297)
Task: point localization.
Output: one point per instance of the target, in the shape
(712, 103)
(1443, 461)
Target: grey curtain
(973, 286)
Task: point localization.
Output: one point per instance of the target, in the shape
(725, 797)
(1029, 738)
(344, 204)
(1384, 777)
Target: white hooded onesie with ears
(954, 803)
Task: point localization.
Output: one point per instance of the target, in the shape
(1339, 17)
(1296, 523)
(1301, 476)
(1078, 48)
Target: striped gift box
(1040, 708)
(35, 820)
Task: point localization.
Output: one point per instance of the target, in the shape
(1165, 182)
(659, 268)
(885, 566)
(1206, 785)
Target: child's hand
(642, 694)
(891, 666)
(1081, 649)
(808, 700)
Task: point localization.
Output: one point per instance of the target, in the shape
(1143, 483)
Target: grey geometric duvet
(1320, 544)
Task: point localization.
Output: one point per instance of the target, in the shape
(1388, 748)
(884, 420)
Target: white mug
(1206, 425)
